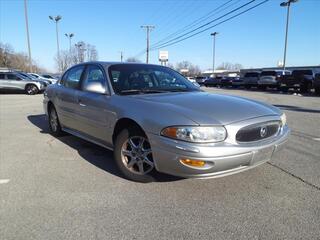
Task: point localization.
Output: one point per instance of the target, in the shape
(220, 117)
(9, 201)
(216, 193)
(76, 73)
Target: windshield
(142, 78)
(268, 73)
(302, 72)
(251, 74)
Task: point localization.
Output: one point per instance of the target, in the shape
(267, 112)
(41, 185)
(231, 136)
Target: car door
(3, 81)
(15, 82)
(65, 100)
(94, 111)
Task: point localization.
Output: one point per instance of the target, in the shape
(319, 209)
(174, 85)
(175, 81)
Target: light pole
(28, 37)
(213, 50)
(56, 19)
(149, 28)
(121, 56)
(70, 35)
(286, 4)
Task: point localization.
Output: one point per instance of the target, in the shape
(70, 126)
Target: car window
(302, 72)
(2, 77)
(251, 74)
(133, 77)
(13, 77)
(73, 77)
(268, 73)
(94, 75)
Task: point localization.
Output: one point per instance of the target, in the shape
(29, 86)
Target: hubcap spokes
(136, 155)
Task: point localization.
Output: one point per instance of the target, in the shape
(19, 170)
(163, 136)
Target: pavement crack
(295, 176)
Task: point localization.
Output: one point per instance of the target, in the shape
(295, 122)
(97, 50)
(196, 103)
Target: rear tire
(133, 155)
(305, 87)
(54, 123)
(317, 90)
(31, 89)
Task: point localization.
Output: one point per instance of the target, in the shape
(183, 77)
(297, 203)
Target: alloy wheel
(136, 155)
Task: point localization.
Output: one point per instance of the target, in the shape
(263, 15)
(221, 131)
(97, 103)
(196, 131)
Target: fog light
(193, 163)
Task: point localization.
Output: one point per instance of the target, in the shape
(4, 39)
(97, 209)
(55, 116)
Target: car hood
(211, 109)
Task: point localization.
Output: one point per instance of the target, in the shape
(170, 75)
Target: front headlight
(283, 119)
(196, 134)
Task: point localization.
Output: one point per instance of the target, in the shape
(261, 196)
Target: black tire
(305, 87)
(31, 89)
(262, 88)
(55, 128)
(247, 87)
(317, 90)
(123, 161)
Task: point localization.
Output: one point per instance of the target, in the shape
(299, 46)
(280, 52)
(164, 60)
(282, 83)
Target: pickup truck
(299, 79)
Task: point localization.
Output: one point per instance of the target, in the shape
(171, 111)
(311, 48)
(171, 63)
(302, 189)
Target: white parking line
(3, 181)
(317, 139)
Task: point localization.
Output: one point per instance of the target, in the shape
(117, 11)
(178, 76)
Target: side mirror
(96, 87)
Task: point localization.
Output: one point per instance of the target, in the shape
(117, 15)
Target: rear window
(251, 74)
(302, 72)
(268, 73)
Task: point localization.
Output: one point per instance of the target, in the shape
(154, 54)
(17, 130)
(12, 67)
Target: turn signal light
(193, 163)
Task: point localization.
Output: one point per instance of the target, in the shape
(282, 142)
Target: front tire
(31, 89)
(133, 155)
(54, 123)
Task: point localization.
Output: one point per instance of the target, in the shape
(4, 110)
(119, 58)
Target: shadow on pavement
(296, 109)
(94, 154)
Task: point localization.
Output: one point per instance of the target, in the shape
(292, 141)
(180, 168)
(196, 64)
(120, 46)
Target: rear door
(66, 101)
(94, 112)
(3, 81)
(15, 82)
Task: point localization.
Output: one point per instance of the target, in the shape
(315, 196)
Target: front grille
(258, 132)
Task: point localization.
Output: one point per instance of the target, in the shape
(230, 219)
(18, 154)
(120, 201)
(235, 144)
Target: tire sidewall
(120, 139)
(32, 86)
(58, 132)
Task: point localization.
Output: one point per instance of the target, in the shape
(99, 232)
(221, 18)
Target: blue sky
(255, 39)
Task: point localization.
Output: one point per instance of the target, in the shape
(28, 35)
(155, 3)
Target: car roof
(107, 64)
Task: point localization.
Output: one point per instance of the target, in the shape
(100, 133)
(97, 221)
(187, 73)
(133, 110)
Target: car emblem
(263, 132)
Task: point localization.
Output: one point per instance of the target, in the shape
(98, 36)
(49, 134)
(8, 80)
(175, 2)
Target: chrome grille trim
(254, 132)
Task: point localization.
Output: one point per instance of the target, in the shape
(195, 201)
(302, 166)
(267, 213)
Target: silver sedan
(156, 120)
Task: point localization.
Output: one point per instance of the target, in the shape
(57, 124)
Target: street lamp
(286, 4)
(56, 19)
(28, 37)
(70, 35)
(213, 50)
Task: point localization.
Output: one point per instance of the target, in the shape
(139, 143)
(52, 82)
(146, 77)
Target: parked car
(191, 79)
(30, 77)
(316, 83)
(156, 120)
(250, 79)
(271, 78)
(48, 76)
(200, 80)
(39, 77)
(213, 82)
(16, 81)
(237, 82)
(228, 81)
(299, 79)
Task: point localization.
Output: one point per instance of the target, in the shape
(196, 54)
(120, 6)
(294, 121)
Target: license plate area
(262, 155)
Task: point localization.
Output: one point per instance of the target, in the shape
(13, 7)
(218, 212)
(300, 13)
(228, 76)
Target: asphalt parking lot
(68, 188)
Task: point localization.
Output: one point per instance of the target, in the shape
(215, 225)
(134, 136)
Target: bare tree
(133, 59)
(229, 66)
(11, 59)
(193, 70)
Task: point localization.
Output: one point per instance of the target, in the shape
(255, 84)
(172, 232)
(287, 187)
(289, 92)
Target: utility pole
(56, 19)
(121, 56)
(286, 4)
(148, 28)
(213, 50)
(28, 37)
(70, 35)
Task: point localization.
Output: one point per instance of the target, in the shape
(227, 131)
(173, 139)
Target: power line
(197, 21)
(206, 24)
(234, 16)
(203, 18)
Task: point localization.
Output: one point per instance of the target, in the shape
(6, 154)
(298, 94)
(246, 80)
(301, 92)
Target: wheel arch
(124, 123)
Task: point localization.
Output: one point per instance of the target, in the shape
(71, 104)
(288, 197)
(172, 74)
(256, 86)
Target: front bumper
(221, 159)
